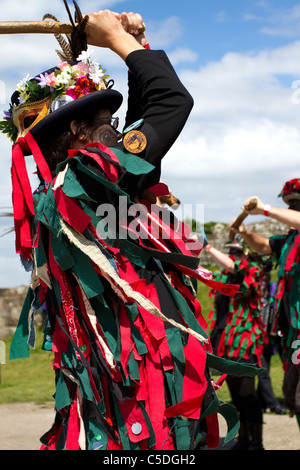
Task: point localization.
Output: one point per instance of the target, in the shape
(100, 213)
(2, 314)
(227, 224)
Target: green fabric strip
(88, 277)
(108, 184)
(62, 396)
(132, 163)
(176, 349)
(231, 417)
(184, 309)
(72, 188)
(108, 324)
(19, 348)
(61, 252)
(238, 369)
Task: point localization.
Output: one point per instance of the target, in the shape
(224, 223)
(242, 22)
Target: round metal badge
(135, 125)
(135, 141)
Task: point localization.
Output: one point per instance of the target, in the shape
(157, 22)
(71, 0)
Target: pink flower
(71, 92)
(51, 80)
(81, 68)
(62, 65)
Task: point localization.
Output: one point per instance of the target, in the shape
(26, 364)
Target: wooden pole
(35, 27)
(40, 27)
(240, 219)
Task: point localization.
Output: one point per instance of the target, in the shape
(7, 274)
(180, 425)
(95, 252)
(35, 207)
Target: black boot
(256, 432)
(243, 440)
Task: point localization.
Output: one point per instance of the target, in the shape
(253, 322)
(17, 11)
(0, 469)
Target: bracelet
(266, 210)
(208, 247)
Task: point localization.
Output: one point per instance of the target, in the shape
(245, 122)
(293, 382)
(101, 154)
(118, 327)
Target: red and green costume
(244, 333)
(131, 354)
(287, 301)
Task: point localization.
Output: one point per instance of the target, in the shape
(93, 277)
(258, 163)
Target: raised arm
(254, 241)
(257, 242)
(221, 258)
(285, 216)
(164, 103)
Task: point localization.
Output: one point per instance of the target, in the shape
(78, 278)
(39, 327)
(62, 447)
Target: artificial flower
(291, 186)
(75, 81)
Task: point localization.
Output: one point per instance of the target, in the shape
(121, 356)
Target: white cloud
(280, 21)
(182, 55)
(33, 10)
(243, 135)
(162, 34)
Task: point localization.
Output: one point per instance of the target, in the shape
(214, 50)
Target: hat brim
(289, 197)
(81, 109)
(235, 246)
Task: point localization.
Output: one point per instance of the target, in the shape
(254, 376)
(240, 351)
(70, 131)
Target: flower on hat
(291, 186)
(82, 78)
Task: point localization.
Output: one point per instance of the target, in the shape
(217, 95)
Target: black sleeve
(157, 95)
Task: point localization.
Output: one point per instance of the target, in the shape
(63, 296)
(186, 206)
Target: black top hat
(82, 108)
(52, 103)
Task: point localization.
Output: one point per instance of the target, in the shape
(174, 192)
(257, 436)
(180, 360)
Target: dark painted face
(105, 129)
(294, 204)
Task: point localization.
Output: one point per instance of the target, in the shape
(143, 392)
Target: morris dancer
(286, 252)
(238, 333)
(131, 354)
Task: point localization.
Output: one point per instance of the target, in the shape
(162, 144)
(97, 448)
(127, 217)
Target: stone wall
(11, 302)
(220, 232)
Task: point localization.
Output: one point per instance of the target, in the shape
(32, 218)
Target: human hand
(110, 29)
(234, 230)
(133, 24)
(253, 205)
(103, 29)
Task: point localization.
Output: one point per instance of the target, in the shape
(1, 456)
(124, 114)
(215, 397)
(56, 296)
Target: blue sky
(239, 59)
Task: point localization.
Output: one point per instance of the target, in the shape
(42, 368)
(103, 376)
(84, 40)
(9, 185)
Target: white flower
(94, 67)
(21, 87)
(85, 57)
(96, 76)
(65, 78)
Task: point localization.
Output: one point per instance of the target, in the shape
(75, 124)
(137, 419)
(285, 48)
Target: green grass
(27, 380)
(32, 379)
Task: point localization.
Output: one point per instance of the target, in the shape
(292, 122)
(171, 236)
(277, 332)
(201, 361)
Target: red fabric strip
(194, 382)
(292, 256)
(38, 158)
(71, 212)
(142, 387)
(213, 439)
(132, 414)
(202, 275)
(165, 355)
(109, 169)
(160, 189)
(20, 173)
(73, 427)
(156, 404)
(184, 408)
(125, 332)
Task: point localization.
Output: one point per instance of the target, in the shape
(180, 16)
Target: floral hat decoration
(35, 98)
(42, 108)
(290, 190)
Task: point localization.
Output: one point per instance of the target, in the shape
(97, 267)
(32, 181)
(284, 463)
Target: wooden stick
(35, 27)
(39, 27)
(240, 219)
